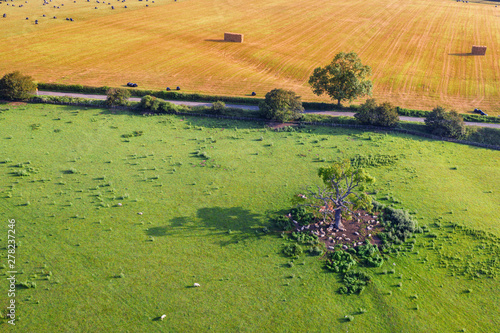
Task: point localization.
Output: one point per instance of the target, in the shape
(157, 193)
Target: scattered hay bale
(233, 37)
(478, 50)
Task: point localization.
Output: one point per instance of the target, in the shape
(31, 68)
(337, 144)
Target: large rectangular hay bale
(233, 37)
(478, 50)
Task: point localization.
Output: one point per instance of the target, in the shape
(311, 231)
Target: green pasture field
(419, 50)
(76, 179)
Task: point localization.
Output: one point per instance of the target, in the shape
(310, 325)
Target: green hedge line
(480, 135)
(180, 96)
(169, 95)
(467, 117)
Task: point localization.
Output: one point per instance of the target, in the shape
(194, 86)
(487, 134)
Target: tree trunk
(338, 217)
(338, 102)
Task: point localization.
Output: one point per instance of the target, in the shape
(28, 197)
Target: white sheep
(197, 285)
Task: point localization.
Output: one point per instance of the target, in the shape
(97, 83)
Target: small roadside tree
(449, 124)
(338, 195)
(281, 105)
(15, 86)
(345, 78)
(378, 115)
(117, 96)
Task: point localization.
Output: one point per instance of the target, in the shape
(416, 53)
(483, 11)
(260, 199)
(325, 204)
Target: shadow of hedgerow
(233, 224)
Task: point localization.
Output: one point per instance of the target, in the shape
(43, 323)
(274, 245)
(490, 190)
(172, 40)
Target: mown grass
(101, 265)
(419, 50)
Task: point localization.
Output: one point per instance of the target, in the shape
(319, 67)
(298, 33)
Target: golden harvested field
(418, 50)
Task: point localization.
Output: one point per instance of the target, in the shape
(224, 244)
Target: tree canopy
(345, 78)
(16, 86)
(281, 105)
(341, 181)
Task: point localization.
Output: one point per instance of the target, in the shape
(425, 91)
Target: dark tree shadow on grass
(233, 225)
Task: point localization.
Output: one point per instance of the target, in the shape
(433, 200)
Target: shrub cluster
(447, 124)
(368, 254)
(371, 113)
(305, 238)
(399, 227)
(117, 97)
(363, 161)
(156, 105)
(284, 223)
(340, 261)
(354, 282)
(302, 216)
(293, 250)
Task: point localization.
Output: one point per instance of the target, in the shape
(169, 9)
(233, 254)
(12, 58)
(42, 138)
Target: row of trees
(345, 78)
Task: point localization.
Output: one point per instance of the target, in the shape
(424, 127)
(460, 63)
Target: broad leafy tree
(281, 105)
(449, 124)
(342, 191)
(16, 86)
(345, 78)
(371, 113)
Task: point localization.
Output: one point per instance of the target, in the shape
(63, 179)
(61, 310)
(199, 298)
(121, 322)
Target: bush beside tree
(371, 113)
(281, 105)
(16, 86)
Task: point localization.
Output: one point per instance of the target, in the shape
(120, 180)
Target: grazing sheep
(163, 317)
(196, 285)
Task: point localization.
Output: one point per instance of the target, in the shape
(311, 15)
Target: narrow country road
(248, 107)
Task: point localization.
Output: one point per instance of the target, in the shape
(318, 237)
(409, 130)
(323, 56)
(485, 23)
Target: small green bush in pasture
(293, 250)
(283, 222)
(363, 161)
(301, 215)
(340, 261)
(354, 282)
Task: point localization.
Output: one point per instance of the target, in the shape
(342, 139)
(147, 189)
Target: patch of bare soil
(356, 229)
(17, 103)
(275, 126)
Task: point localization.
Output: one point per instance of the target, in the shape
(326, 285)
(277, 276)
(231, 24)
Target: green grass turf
(202, 222)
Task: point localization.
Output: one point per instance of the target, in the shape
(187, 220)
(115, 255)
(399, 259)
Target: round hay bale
(178, 88)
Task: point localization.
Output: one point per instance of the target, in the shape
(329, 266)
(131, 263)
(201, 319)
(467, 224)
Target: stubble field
(418, 50)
